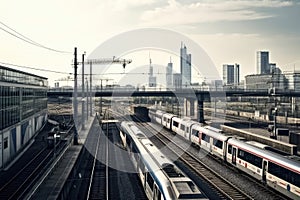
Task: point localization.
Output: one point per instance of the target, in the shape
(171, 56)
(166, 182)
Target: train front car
(161, 179)
(167, 120)
(276, 171)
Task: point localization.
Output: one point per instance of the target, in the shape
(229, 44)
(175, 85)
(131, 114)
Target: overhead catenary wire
(28, 40)
(34, 68)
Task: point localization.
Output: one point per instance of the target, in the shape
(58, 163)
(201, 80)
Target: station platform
(51, 187)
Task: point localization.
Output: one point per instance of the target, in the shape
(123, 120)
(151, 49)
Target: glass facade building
(23, 110)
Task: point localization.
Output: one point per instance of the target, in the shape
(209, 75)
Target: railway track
(99, 179)
(227, 189)
(269, 193)
(223, 187)
(22, 181)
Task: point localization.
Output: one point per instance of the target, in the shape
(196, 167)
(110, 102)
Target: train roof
(274, 157)
(168, 115)
(160, 166)
(188, 122)
(214, 129)
(216, 135)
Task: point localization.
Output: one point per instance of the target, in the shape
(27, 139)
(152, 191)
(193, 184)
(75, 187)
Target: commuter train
(273, 169)
(160, 178)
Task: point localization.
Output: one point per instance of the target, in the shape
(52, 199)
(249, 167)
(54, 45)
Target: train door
(199, 137)
(264, 171)
(156, 193)
(233, 155)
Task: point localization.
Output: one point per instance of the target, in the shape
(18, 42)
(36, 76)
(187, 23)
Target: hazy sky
(229, 31)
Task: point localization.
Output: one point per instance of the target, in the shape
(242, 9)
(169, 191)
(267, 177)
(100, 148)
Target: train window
(187, 129)
(182, 127)
(128, 141)
(218, 143)
(150, 180)
(165, 119)
(195, 132)
(134, 149)
(205, 137)
(248, 157)
(230, 149)
(142, 166)
(284, 174)
(175, 124)
(241, 154)
(5, 143)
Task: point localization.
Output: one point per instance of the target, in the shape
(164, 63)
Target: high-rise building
(185, 66)
(169, 75)
(231, 74)
(262, 65)
(177, 82)
(152, 79)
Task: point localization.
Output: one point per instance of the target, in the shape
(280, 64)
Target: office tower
(169, 75)
(185, 66)
(231, 74)
(262, 65)
(152, 79)
(177, 82)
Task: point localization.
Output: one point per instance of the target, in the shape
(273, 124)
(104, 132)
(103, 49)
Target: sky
(228, 31)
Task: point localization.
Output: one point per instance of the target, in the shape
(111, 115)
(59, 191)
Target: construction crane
(104, 61)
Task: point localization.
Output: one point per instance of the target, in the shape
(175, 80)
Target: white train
(160, 178)
(277, 171)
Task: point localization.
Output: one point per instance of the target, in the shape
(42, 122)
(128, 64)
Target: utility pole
(82, 95)
(91, 94)
(75, 97)
(87, 99)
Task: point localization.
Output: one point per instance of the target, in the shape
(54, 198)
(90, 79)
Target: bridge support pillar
(189, 107)
(200, 114)
(193, 108)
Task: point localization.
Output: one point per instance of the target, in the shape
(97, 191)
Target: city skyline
(242, 27)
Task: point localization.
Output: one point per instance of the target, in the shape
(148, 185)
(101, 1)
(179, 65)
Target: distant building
(272, 67)
(177, 82)
(185, 66)
(262, 65)
(152, 79)
(293, 81)
(265, 81)
(169, 75)
(231, 74)
(216, 85)
(23, 110)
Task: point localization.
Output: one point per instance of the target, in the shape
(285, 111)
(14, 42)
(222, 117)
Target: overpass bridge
(193, 99)
(176, 93)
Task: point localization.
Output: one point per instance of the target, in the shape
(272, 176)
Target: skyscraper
(262, 65)
(177, 82)
(185, 66)
(169, 75)
(231, 74)
(152, 79)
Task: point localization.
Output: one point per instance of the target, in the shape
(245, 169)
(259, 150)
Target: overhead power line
(38, 69)
(28, 40)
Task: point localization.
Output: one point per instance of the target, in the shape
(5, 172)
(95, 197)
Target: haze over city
(229, 31)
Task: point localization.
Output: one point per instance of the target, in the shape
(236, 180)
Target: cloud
(175, 13)
(121, 5)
